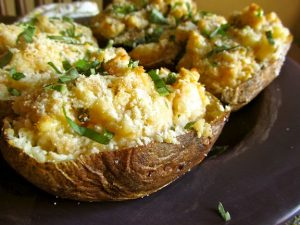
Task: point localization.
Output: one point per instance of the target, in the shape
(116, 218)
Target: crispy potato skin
(115, 175)
(245, 92)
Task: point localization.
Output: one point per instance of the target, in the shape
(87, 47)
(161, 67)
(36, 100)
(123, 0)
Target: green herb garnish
(190, 13)
(103, 138)
(133, 64)
(5, 59)
(27, 34)
(13, 91)
(124, 9)
(225, 215)
(270, 38)
(64, 39)
(189, 126)
(221, 30)
(171, 78)
(16, 75)
(70, 75)
(54, 67)
(157, 17)
(66, 65)
(220, 49)
(154, 36)
(57, 87)
(159, 84)
(259, 13)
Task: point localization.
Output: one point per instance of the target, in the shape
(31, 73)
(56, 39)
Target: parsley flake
(270, 38)
(5, 59)
(27, 34)
(157, 17)
(159, 84)
(225, 215)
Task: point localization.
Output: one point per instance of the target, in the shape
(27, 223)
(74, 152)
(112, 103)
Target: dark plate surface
(257, 178)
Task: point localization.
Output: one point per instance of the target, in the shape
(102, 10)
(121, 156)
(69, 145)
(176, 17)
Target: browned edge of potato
(115, 175)
(248, 90)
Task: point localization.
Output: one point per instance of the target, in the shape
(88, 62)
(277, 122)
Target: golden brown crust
(245, 92)
(115, 175)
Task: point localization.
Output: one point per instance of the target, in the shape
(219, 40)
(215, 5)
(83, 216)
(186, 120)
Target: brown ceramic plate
(257, 178)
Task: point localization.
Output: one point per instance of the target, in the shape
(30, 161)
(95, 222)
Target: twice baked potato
(114, 136)
(237, 58)
(32, 54)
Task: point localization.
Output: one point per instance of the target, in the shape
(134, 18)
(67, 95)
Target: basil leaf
(189, 126)
(157, 17)
(124, 9)
(220, 49)
(27, 34)
(270, 38)
(16, 75)
(70, 75)
(13, 91)
(64, 39)
(171, 78)
(54, 67)
(159, 84)
(103, 138)
(57, 87)
(190, 13)
(221, 30)
(133, 64)
(5, 59)
(225, 215)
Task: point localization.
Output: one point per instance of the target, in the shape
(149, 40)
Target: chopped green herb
(259, 13)
(189, 126)
(70, 75)
(27, 34)
(220, 49)
(110, 44)
(103, 138)
(54, 67)
(16, 75)
(64, 39)
(171, 78)
(190, 13)
(5, 59)
(30, 22)
(270, 38)
(159, 84)
(157, 17)
(155, 35)
(221, 30)
(67, 19)
(66, 65)
(57, 87)
(132, 64)
(13, 91)
(124, 9)
(87, 68)
(225, 215)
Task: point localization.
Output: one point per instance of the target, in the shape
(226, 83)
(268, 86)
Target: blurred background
(288, 10)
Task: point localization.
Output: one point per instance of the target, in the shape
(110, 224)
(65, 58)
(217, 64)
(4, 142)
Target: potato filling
(117, 106)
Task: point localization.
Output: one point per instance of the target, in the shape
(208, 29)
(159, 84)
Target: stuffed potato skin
(115, 175)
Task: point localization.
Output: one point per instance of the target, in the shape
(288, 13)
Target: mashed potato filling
(47, 40)
(124, 100)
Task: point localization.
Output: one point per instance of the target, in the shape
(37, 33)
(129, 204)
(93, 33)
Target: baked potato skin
(114, 175)
(240, 96)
